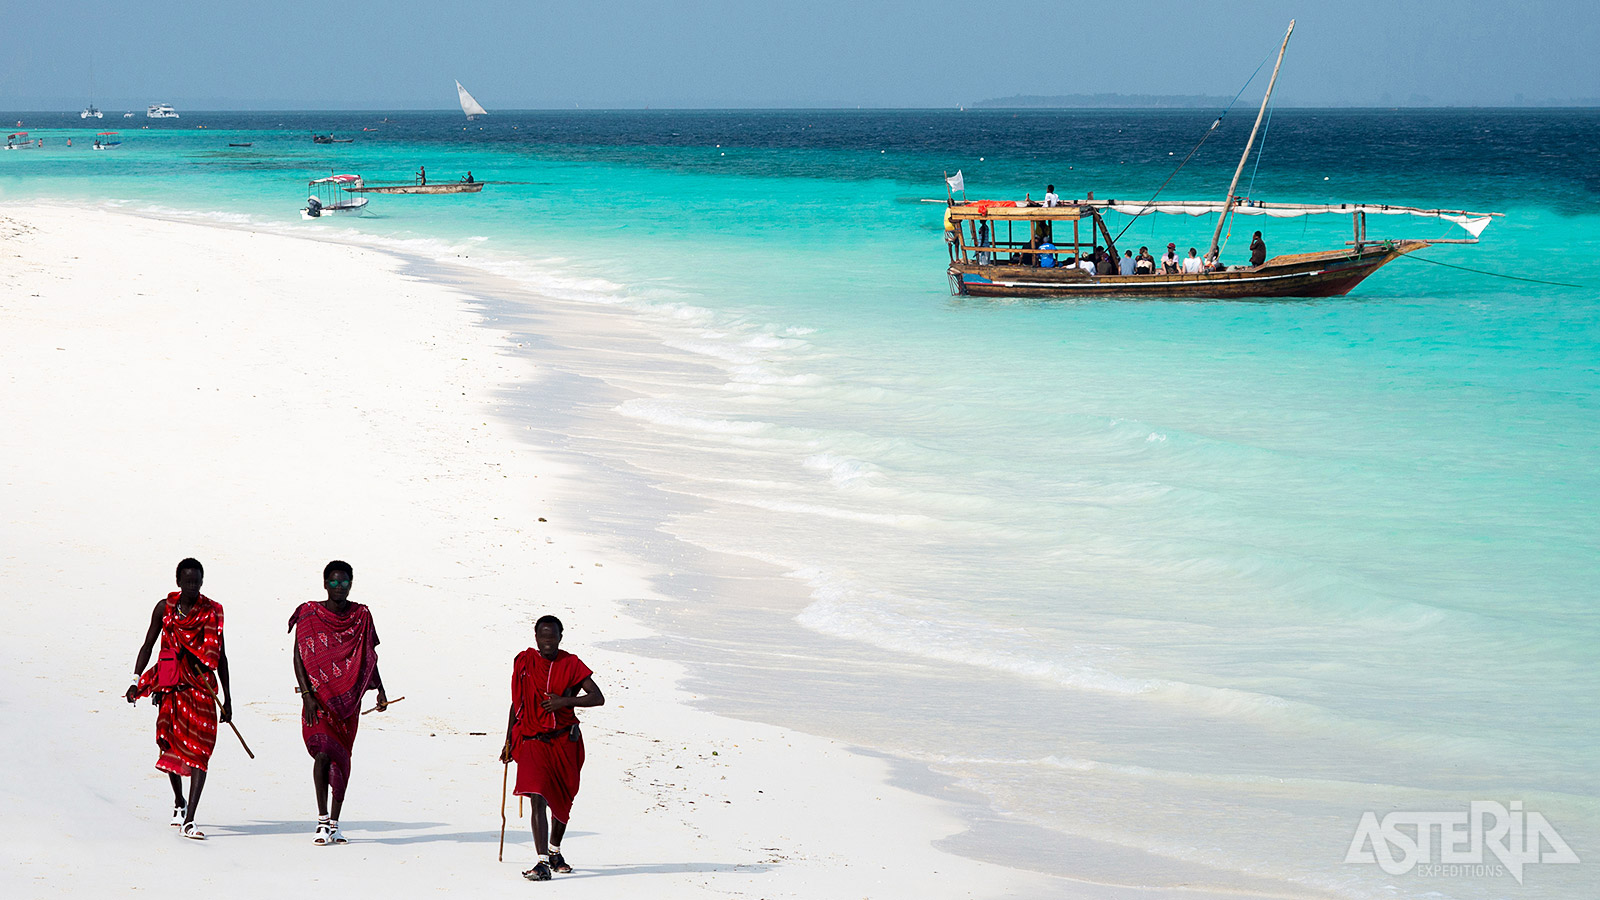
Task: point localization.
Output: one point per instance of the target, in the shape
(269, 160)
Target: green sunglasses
(335, 583)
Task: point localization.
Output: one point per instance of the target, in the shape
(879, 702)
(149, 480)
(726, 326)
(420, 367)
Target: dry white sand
(267, 403)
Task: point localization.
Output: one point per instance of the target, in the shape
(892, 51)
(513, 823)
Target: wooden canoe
(448, 187)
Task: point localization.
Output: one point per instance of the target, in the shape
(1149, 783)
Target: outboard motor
(313, 207)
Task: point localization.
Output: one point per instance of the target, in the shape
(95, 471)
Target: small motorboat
(330, 139)
(328, 197)
(107, 140)
(246, 144)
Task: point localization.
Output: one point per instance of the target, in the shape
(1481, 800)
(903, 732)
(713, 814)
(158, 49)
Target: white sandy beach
(267, 403)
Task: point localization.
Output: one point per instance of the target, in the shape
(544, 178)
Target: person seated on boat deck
(1050, 198)
(1047, 260)
(1144, 263)
(1104, 264)
(1169, 260)
(1213, 263)
(1192, 264)
(1258, 250)
(1086, 263)
(1127, 265)
(468, 179)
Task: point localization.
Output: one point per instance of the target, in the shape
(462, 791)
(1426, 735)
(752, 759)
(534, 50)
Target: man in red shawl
(542, 735)
(336, 663)
(183, 685)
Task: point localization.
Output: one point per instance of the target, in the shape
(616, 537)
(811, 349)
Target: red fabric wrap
(339, 654)
(548, 768)
(186, 723)
(984, 205)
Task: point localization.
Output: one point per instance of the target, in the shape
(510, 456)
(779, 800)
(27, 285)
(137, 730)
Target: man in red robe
(183, 685)
(542, 735)
(336, 663)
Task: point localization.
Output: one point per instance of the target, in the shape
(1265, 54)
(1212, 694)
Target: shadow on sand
(666, 869)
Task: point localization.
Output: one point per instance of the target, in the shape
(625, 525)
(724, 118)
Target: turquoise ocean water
(1167, 592)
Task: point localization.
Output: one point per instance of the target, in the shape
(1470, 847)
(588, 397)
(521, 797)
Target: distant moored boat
(160, 111)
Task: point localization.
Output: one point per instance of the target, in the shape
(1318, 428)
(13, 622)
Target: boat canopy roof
(17, 135)
(106, 134)
(1474, 222)
(338, 179)
(1010, 210)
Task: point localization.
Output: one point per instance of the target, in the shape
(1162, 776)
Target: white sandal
(178, 812)
(192, 833)
(324, 833)
(335, 836)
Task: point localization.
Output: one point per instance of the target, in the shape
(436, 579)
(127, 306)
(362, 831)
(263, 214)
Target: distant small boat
(90, 112)
(327, 198)
(250, 144)
(471, 107)
(330, 139)
(127, 115)
(448, 187)
(18, 141)
(102, 141)
(160, 111)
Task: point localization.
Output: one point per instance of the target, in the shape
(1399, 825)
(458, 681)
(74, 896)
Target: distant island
(1104, 101)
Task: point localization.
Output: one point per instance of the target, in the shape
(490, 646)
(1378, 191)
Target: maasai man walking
(183, 685)
(336, 663)
(542, 735)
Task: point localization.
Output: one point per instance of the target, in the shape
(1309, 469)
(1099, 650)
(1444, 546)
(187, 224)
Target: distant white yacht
(160, 111)
(90, 112)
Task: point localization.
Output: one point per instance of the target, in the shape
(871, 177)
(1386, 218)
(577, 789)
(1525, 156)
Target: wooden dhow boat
(1010, 249)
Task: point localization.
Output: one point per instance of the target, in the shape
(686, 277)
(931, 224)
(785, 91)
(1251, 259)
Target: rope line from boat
(1491, 274)
(1203, 138)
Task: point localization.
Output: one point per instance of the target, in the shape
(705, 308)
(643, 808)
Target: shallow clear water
(1206, 580)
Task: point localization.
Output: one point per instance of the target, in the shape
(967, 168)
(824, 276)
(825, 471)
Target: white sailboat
(471, 107)
(91, 111)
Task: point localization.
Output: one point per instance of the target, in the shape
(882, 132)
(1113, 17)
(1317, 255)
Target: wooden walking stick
(505, 775)
(386, 705)
(213, 695)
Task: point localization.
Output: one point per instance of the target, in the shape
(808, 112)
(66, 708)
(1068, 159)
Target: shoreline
(326, 436)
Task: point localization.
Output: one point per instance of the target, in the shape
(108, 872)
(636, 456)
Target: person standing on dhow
(542, 735)
(336, 663)
(183, 684)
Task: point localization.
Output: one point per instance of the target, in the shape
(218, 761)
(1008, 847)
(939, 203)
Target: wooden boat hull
(449, 187)
(1326, 274)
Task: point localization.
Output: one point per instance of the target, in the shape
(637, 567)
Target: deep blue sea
(1170, 593)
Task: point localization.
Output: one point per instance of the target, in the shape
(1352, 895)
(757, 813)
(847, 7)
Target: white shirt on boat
(1193, 265)
(1086, 265)
(1051, 198)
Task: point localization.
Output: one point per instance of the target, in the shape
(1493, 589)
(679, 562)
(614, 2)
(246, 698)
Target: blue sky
(404, 54)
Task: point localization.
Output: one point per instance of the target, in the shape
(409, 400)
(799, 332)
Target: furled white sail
(1473, 222)
(468, 105)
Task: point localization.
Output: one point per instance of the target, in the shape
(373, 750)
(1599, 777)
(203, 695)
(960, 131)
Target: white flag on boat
(956, 182)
